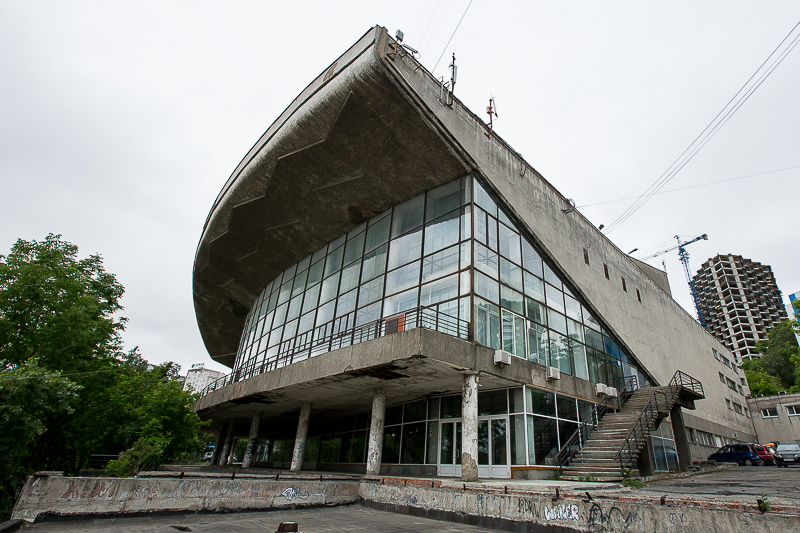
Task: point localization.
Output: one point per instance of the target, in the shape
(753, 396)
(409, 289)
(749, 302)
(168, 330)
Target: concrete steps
(597, 459)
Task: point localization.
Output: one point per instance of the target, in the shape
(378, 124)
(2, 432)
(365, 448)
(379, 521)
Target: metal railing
(626, 388)
(313, 343)
(658, 406)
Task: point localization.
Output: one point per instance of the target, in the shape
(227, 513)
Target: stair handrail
(627, 386)
(650, 413)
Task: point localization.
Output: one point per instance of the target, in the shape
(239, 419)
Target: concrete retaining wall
(506, 510)
(58, 495)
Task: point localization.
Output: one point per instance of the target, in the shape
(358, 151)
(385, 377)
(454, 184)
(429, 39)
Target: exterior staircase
(615, 444)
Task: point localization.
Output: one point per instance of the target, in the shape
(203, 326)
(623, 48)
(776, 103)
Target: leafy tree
(777, 353)
(29, 396)
(759, 380)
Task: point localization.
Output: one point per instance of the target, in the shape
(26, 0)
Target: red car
(766, 453)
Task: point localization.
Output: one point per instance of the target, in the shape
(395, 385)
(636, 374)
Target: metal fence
(309, 345)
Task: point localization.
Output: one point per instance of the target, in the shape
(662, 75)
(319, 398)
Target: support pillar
(300, 438)
(250, 451)
(681, 439)
(645, 461)
(219, 444)
(226, 448)
(375, 450)
(469, 428)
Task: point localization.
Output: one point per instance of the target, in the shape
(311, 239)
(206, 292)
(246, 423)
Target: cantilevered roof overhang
(354, 143)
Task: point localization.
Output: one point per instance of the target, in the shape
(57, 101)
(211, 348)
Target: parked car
(208, 455)
(786, 454)
(743, 454)
(766, 453)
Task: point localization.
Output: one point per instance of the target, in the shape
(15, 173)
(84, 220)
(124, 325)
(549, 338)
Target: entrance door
(493, 447)
(449, 448)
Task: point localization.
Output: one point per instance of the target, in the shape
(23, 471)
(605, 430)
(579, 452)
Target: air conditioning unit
(502, 357)
(600, 388)
(553, 373)
(611, 392)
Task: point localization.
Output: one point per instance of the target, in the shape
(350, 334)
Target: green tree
(29, 397)
(777, 353)
(759, 380)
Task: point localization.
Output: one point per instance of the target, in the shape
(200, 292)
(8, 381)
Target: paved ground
(774, 482)
(350, 518)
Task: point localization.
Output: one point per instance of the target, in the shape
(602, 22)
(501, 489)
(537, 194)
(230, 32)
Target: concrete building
(740, 301)
(397, 290)
(776, 418)
(198, 378)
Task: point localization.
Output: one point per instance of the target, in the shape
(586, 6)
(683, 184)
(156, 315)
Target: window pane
(534, 287)
(398, 303)
(540, 402)
(555, 298)
(350, 276)
(531, 259)
(575, 330)
(377, 234)
(511, 299)
(370, 292)
(567, 408)
(315, 272)
(551, 277)
(346, 303)
(330, 288)
(374, 263)
(493, 402)
(573, 307)
(413, 450)
(354, 248)
(538, 344)
(443, 199)
(486, 260)
(405, 249)
(408, 215)
(441, 233)
(510, 274)
(438, 291)
(466, 222)
(509, 244)
(299, 283)
(334, 261)
(483, 199)
(488, 288)
(294, 308)
(518, 450)
(402, 278)
(491, 233)
(487, 324)
(557, 321)
(534, 311)
(559, 353)
(440, 264)
(480, 225)
(578, 352)
(286, 292)
(368, 314)
(325, 313)
(311, 298)
(319, 254)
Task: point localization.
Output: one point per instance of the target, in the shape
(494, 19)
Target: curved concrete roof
(353, 144)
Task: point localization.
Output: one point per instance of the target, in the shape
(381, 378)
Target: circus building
(396, 290)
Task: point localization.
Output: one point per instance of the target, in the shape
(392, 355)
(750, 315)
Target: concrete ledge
(74, 496)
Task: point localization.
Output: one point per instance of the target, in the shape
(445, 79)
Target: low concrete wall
(56, 495)
(505, 509)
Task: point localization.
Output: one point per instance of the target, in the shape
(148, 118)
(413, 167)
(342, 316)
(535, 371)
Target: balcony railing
(303, 347)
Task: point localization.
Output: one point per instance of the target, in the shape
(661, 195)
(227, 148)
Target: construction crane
(684, 257)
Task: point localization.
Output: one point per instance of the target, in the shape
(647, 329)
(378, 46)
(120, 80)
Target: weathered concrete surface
(469, 428)
(252, 439)
(511, 506)
(300, 437)
(101, 496)
(375, 446)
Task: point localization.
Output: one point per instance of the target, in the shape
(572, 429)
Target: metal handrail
(627, 386)
(304, 346)
(661, 400)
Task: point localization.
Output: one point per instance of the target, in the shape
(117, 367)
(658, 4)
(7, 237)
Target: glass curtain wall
(453, 250)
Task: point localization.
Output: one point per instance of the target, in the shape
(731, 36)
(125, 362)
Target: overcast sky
(121, 121)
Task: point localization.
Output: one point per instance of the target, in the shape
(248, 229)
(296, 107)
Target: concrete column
(218, 445)
(300, 438)
(681, 440)
(375, 450)
(645, 461)
(226, 448)
(469, 428)
(250, 451)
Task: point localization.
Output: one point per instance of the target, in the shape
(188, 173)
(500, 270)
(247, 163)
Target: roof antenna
(446, 90)
(400, 49)
(491, 110)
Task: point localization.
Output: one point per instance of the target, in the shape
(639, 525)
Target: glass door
(493, 447)
(449, 448)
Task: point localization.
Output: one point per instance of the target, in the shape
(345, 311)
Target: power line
(438, 21)
(692, 186)
(709, 131)
(451, 37)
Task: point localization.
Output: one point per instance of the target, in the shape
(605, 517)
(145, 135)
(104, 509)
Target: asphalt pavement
(772, 481)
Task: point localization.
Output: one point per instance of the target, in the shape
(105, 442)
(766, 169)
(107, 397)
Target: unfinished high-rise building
(740, 301)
